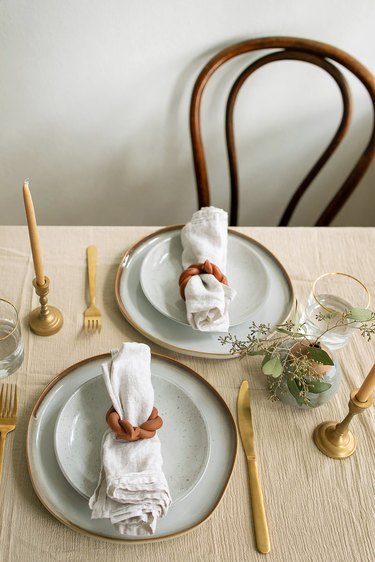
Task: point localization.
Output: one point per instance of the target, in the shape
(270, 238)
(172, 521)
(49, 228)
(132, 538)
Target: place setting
(149, 296)
(64, 445)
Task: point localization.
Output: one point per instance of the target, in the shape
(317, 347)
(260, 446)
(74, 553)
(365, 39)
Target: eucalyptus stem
(299, 366)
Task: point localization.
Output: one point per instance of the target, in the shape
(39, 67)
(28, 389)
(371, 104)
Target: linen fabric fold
(132, 491)
(205, 237)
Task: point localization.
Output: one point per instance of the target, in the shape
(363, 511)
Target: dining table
(317, 508)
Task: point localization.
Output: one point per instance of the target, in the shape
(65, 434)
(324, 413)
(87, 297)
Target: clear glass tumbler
(332, 295)
(11, 347)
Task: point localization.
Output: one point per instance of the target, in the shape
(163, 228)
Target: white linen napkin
(205, 237)
(132, 490)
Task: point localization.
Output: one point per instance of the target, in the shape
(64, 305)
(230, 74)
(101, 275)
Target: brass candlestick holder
(335, 439)
(45, 320)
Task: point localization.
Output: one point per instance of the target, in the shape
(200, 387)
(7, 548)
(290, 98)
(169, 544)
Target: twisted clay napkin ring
(198, 269)
(127, 432)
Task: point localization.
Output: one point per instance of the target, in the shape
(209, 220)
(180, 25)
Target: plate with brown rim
(274, 308)
(191, 509)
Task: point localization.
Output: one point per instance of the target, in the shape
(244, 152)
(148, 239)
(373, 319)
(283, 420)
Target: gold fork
(8, 415)
(93, 317)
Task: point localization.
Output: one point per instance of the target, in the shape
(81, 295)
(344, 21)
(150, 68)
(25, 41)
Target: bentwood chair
(283, 48)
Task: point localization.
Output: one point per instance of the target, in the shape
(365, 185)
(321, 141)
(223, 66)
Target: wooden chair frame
(291, 48)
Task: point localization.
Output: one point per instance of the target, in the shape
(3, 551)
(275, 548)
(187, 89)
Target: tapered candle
(33, 233)
(367, 387)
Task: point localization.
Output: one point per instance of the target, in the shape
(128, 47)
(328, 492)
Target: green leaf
(266, 358)
(273, 367)
(295, 390)
(316, 387)
(360, 314)
(319, 355)
(284, 331)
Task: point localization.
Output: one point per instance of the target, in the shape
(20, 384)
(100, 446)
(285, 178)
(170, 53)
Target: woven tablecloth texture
(318, 509)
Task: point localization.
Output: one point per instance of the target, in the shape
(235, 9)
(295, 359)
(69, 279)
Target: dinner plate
(195, 505)
(81, 425)
(162, 267)
(144, 317)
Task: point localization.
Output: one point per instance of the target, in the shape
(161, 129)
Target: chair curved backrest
(290, 48)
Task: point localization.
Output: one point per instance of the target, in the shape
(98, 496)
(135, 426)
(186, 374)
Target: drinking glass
(332, 295)
(11, 347)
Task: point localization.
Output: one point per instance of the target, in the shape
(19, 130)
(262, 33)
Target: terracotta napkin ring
(198, 269)
(127, 432)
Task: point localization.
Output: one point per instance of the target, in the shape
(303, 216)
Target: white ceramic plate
(81, 424)
(141, 314)
(161, 269)
(71, 508)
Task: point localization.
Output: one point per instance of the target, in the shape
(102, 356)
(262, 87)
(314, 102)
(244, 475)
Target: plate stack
(147, 292)
(66, 430)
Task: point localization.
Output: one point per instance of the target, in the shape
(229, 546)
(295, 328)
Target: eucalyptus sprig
(300, 369)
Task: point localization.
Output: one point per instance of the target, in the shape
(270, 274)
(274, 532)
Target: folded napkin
(132, 490)
(205, 237)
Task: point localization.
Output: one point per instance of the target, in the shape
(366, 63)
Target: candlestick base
(335, 439)
(45, 320)
(332, 443)
(46, 325)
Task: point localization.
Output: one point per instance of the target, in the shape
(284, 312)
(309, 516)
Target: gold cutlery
(92, 317)
(8, 415)
(245, 424)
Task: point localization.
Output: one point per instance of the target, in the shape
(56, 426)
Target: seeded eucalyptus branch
(300, 366)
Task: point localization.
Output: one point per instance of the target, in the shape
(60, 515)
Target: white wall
(94, 99)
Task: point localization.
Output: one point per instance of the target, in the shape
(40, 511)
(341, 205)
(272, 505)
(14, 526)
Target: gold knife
(245, 424)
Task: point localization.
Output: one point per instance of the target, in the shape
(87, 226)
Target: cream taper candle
(367, 387)
(34, 235)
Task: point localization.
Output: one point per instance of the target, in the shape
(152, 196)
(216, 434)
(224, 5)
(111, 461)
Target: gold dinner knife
(245, 424)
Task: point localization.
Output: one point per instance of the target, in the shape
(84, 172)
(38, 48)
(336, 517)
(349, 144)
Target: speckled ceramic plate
(162, 267)
(196, 501)
(81, 425)
(273, 309)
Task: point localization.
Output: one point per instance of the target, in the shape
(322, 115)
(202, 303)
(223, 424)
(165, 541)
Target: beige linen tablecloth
(318, 509)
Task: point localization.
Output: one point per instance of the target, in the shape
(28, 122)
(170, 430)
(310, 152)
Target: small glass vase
(315, 399)
(329, 297)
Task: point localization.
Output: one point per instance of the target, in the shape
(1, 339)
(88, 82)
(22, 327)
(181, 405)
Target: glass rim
(344, 275)
(17, 319)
